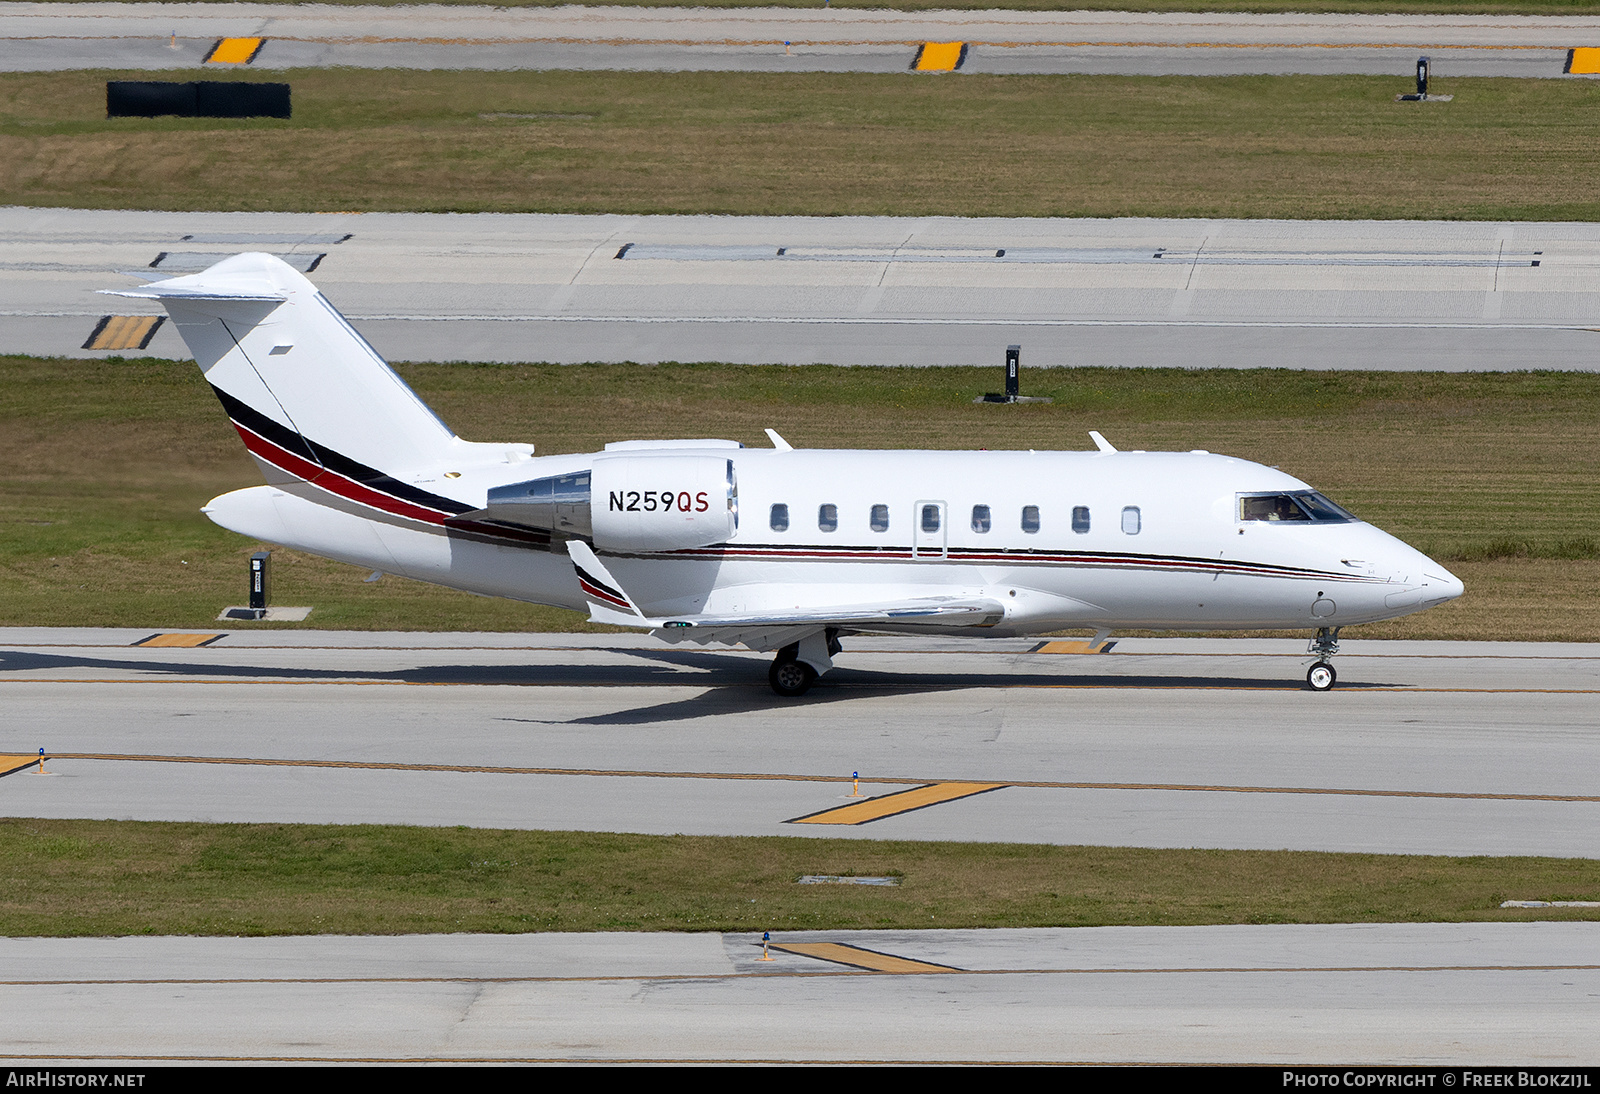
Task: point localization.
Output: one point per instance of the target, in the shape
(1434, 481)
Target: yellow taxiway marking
(1583, 61)
(181, 641)
(124, 331)
(939, 56)
(756, 776)
(902, 801)
(857, 958)
(10, 765)
(1071, 645)
(234, 51)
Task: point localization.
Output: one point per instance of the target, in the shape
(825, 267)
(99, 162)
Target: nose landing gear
(1324, 644)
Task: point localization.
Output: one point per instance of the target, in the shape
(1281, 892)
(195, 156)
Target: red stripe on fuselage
(1033, 557)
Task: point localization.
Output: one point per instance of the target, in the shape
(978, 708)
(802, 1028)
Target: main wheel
(790, 678)
(1321, 676)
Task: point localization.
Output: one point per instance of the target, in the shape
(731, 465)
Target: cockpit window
(1321, 508)
(1306, 505)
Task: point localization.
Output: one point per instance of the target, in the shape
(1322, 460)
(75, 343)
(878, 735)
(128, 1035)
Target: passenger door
(930, 530)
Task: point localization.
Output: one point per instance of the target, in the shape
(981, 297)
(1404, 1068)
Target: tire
(790, 678)
(1321, 677)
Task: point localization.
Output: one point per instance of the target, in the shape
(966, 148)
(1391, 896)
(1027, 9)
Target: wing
(610, 603)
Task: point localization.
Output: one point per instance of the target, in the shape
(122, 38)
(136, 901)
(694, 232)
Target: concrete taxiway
(853, 290)
(1414, 994)
(1454, 748)
(1439, 748)
(176, 36)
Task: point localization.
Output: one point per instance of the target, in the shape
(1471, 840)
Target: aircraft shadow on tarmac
(732, 684)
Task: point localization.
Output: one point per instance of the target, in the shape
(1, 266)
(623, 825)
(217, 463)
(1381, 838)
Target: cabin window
(930, 518)
(880, 518)
(1030, 519)
(828, 518)
(980, 518)
(1080, 519)
(1130, 520)
(780, 518)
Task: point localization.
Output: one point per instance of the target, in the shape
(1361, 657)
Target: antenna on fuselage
(1100, 442)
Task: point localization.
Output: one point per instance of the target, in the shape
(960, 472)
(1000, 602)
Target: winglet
(1100, 442)
(608, 603)
(778, 442)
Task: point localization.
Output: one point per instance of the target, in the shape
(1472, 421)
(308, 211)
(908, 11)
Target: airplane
(780, 549)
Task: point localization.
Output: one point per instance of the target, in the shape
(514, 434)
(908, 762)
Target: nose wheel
(1324, 644)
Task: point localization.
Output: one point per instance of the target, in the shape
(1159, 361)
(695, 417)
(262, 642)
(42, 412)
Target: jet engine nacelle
(661, 502)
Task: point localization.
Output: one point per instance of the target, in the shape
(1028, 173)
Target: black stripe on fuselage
(1004, 556)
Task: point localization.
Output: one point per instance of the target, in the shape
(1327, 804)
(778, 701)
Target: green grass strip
(1370, 7)
(824, 144)
(79, 877)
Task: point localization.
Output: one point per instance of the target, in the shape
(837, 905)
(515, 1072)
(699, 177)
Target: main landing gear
(788, 677)
(798, 664)
(1324, 644)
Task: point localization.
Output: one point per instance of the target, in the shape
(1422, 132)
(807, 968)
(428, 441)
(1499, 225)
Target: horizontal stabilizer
(241, 277)
(166, 290)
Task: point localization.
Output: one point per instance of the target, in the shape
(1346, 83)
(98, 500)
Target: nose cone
(1448, 585)
(1426, 585)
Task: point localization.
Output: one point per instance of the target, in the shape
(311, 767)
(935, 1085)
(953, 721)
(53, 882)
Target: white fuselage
(1109, 540)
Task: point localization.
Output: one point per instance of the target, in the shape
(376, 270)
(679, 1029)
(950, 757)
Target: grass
(109, 461)
(1375, 7)
(823, 144)
(75, 877)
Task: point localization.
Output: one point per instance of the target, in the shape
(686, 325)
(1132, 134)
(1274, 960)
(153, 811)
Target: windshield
(1304, 505)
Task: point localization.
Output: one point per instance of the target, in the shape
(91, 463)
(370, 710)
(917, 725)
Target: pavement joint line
(884, 686)
(846, 970)
(891, 320)
(963, 321)
(854, 653)
(373, 765)
(901, 685)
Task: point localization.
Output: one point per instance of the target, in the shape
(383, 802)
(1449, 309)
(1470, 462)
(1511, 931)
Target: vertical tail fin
(305, 391)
